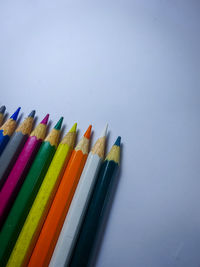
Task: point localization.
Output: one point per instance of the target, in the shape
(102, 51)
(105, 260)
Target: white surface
(136, 65)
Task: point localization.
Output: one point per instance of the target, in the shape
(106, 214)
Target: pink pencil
(20, 169)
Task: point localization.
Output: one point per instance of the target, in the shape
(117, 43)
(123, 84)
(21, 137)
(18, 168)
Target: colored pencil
(42, 203)
(78, 207)
(7, 130)
(12, 150)
(27, 194)
(56, 216)
(96, 210)
(2, 111)
(20, 169)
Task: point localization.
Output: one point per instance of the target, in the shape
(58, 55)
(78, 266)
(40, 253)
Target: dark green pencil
(19, 211)
(84, 247)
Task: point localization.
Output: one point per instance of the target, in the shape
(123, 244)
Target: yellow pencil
(33, 224)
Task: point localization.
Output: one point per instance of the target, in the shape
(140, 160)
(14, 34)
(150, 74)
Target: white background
(136, 65)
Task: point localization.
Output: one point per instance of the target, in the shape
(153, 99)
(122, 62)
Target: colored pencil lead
(32, 114)
(105, 130)
(88, 132)
(45, 120)
(59, 124)
(15, 114)
(73, 129)
(2, 109)
(118, 141)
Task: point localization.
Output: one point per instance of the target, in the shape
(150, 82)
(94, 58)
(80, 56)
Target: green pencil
(27, 194)
(100, 198)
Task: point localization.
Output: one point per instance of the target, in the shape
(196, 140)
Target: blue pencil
(7, 130)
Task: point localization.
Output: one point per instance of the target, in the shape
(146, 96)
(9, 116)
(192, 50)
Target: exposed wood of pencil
(99, 147)
(114, 154)
(69, 139)
(26, 126)
(8, 127)
(40, 131)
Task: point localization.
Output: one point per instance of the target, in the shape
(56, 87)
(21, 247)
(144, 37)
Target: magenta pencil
(18, 173)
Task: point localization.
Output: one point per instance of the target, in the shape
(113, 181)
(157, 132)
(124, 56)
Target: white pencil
(78, 207)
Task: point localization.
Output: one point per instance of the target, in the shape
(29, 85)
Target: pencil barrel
(49, 234)
(94, 216)
(24, 200)
(3, 141)
(17, 175)
(75, 216)
(10, 154)
(39, 210)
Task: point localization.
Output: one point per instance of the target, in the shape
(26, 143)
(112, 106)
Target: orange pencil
(51, 229)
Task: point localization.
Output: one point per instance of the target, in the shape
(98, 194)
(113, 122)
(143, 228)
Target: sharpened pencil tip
(88, 132)
(73, 129)
(104, 132)
(15, 114)
(2, 109)
(32, 114)
(118, 141)
(59, 124)
(45, 120)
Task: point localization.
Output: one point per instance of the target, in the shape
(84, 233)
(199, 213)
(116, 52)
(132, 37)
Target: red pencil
(18, 173)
